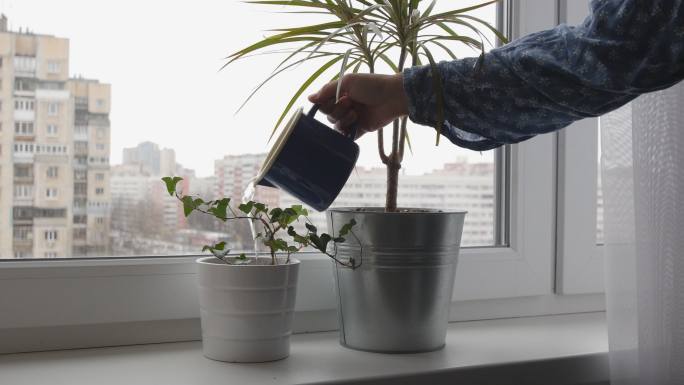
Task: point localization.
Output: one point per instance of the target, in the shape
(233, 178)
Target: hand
(370, 101)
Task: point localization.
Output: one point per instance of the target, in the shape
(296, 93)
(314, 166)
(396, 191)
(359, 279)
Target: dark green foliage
(274, 221)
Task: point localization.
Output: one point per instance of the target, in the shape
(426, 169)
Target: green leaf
(311, 228)
(241, 257)
(260, 208)
(171, 183)
(296, 237)
(220, 211)
(275, 214)
(347, 228)
(188, 205)
(246, 207)
(218, 250)
(299, 210)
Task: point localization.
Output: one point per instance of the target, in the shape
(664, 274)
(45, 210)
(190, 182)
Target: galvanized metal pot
(397, 298)
(246, 310)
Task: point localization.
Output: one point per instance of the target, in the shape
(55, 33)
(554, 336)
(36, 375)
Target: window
(25, 64)
(53, 67)
(580, 255)
(498, 188)
(53, 109)
(99, 191)
(51, 193)
(24, 105)
(23, 191)
(100, 103)
(100, 146)
(24, 85)
(23, 128)
(52, 172)
(51, 235)
(51, 129)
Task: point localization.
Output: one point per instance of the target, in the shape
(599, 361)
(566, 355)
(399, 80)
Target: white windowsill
(567, 349)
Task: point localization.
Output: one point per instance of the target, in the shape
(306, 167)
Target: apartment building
(234, 172)
(54, 152)
(456, 186)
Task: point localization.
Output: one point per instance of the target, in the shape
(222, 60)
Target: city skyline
(186, 103)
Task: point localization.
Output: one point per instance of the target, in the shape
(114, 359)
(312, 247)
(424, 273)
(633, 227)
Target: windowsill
(567, 349)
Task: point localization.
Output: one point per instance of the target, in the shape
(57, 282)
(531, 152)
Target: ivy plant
(277, 224)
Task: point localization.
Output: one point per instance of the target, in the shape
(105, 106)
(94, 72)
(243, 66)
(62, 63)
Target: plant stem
(394, 160)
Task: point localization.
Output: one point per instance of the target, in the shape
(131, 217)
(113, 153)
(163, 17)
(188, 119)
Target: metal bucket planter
(397, 299)
(246, 310)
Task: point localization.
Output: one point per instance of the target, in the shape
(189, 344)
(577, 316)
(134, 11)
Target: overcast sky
(162, 60)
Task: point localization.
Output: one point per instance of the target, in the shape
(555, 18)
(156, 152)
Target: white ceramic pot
(246, 310)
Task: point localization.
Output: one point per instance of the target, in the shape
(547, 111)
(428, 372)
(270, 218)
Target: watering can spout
(265, 183)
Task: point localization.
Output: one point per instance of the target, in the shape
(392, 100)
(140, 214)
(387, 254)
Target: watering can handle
(352, 133)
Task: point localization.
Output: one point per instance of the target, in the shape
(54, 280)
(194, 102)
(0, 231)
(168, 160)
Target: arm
(547, 80)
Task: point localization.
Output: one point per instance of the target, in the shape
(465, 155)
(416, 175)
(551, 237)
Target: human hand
(369, 101)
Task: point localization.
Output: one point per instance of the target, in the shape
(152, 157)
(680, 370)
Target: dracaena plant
(360, 35)
(274, 223)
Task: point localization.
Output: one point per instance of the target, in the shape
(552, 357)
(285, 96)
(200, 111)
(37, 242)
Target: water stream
(247, 196)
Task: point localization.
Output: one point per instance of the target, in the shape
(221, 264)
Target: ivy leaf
(299, 210)
(321, 243)
(218, 250)
(241, 257)
(275, 214)
(220, 211)
(311, 228)
(347, 228)
(188, 205)
(296, 237)
(260, 208)
(339, 240)
(171, 183)
(246, 207)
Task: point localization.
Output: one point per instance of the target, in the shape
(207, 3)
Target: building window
(100, 146)
(51, 235)
(99, 191)
(100, 220)
(23, 128)
(101, 132)
(100, 103)
(51, 193)
(53, 66)
(52, 172)
(99, 176)
(53, 108)
(52, 129)
(24, 105)
(23, 190)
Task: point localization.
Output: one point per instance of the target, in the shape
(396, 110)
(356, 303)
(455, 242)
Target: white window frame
(52, 130)
(145, 294)
(51, 193)
(580, 267)
(53, 108)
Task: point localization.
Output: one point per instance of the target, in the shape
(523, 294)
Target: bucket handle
(312, 113)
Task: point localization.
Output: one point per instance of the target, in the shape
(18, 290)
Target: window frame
(513, 280)
(580, 267)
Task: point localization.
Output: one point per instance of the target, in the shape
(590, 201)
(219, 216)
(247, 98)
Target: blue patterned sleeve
(547, 80)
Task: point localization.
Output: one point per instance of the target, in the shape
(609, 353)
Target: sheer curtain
(643, 182)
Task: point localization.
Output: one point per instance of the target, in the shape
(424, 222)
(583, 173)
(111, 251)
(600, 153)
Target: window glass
(114, 126)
